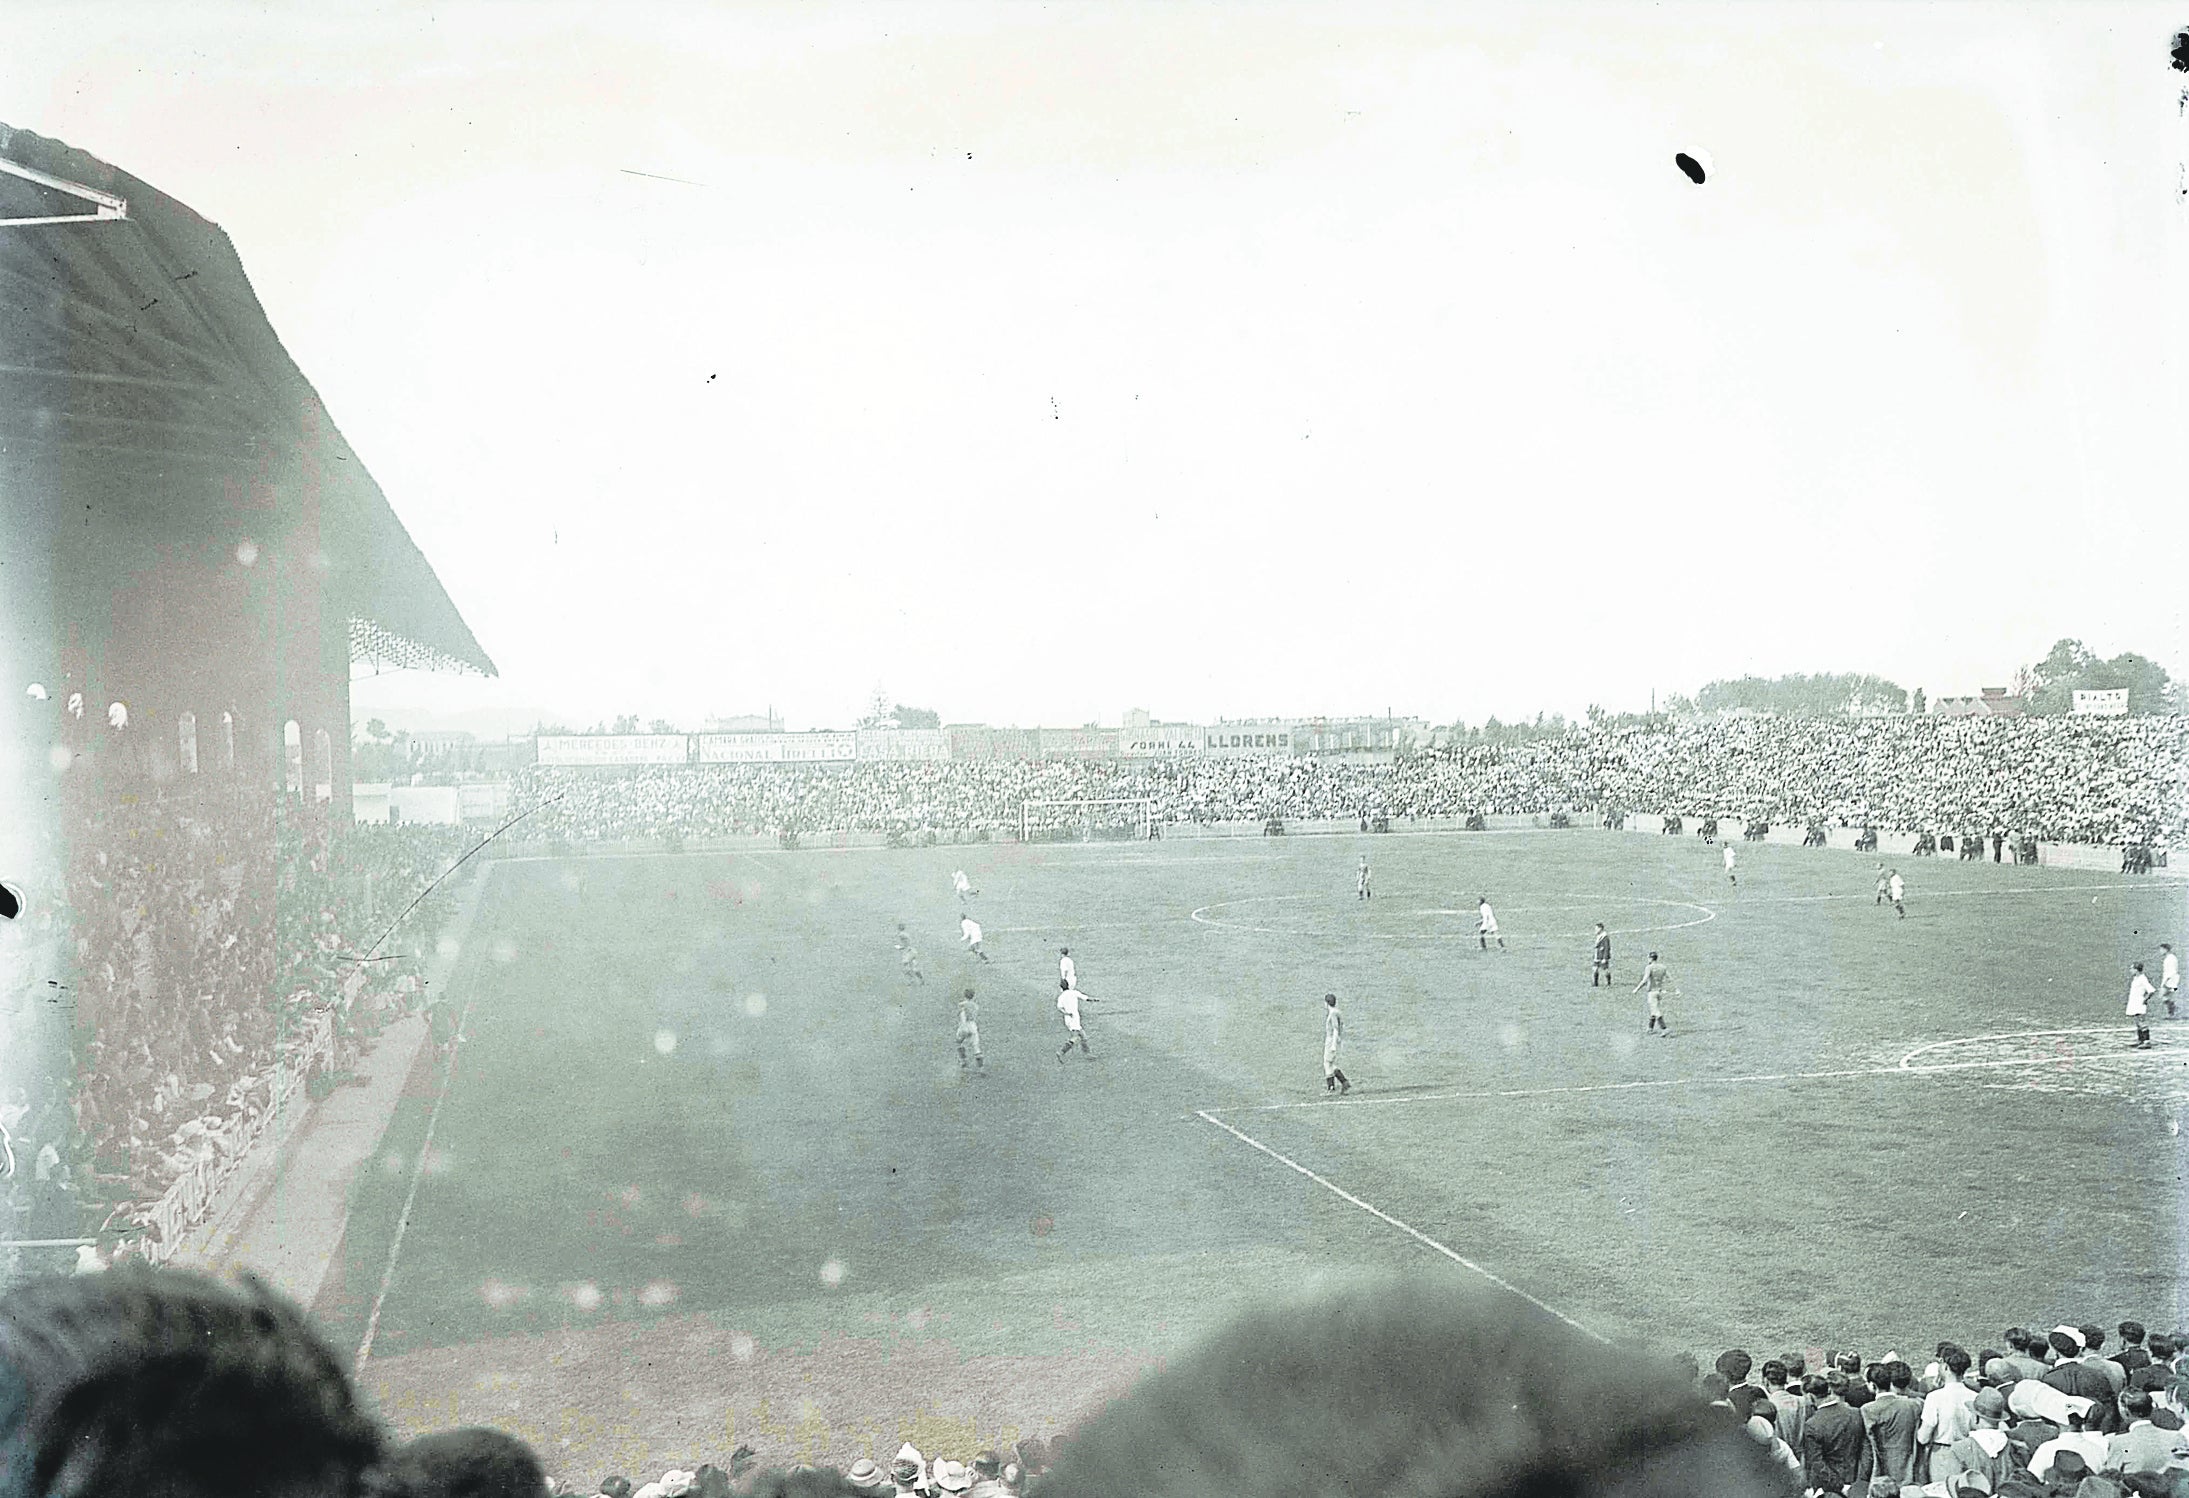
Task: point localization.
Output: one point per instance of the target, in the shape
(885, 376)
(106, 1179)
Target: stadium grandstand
(195, 561)
(2113, 782)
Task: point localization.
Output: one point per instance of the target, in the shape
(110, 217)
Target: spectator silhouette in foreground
(1410, 1388)
(472, 1462)
(162, 1384)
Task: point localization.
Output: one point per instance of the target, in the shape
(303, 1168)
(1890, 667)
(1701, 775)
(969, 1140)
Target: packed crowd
(209, 929)
(2093, 780)
(2042, 1413)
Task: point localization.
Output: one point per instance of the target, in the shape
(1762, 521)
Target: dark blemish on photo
(1691, 166)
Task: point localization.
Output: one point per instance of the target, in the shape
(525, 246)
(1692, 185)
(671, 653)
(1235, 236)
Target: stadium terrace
(2100, 781)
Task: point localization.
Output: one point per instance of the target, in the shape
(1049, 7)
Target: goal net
(1086, 821)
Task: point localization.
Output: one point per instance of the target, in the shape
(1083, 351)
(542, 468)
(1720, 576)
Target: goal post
(1087, 821)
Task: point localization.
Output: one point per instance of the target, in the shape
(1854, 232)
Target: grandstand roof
(137, 363)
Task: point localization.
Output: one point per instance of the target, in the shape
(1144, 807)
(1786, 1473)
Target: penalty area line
(1405, 1227)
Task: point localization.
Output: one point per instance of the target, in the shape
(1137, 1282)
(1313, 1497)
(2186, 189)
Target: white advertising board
(614, 749)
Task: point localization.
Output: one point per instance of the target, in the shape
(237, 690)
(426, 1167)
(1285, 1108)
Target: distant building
(744, 723)
(1339, 735)
(440, 741)
(1995, 702)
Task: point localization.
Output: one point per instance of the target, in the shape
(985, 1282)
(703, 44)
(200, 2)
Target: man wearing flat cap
(1985, 1448)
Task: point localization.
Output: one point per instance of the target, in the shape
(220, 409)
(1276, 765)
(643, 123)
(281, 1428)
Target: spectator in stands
(1891, 1420)
(1765, 1434)
(865, 1477)
(143, 1381)
(1984, 1448)
(2144, 1447)
(2086, 1449)
(2116, 1376)
(2069, 1373)
(1717, 1393)
(1410, 1388)
(908, 1469)
(1949, 1411)
(2021, 1361)
(1832, 1439)
(1742, 1394)
(1785, 1402)
(987, 1468)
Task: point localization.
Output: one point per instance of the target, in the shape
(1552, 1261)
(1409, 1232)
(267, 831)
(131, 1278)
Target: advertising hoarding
(614, 749)
(1160, 741)
(776, 748)
(904, 743)
(1236, 740)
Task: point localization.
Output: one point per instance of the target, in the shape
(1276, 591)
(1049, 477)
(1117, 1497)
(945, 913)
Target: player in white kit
(2169, 976)
(1729, 875)
(1897, 892)
(970, 930)
(1066, 968)
(1486, 925)
(962, 885)
(1068, 1000)
(1333, 1036)
(2139, 1006)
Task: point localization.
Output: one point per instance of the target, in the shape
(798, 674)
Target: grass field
(707, 1168)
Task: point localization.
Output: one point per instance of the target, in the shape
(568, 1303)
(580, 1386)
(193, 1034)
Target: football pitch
(707, 1168)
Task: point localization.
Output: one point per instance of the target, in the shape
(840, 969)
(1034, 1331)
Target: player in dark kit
(1601, 971)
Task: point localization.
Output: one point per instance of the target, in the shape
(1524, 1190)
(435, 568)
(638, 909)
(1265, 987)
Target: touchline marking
(1902, 1069)
(410, 1197)
(1405, 1227)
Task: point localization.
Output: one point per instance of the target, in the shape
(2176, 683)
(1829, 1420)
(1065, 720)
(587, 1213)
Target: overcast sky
(1041, 361)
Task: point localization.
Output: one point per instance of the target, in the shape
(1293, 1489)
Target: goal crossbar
(1137, 812)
